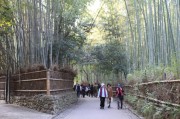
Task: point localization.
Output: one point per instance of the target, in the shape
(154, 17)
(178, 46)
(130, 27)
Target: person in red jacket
(120, 95)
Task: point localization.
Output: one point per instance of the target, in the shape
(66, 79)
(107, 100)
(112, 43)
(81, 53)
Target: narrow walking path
(88, 108)
(11, 111)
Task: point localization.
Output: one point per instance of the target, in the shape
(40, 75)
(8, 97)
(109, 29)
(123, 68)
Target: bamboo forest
(132, 42)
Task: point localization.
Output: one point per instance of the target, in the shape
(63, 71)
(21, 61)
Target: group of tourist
(100, 91)
(107, 92)
(86, 90)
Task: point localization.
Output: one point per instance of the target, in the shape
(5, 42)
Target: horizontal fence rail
(29, 72)
(159, 82)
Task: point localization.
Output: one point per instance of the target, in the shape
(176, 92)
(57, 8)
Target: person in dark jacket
(92, 90)
(98, 86)
(78, 90)
(83, 90)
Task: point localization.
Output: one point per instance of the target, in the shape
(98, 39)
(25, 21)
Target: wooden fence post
(48, 82)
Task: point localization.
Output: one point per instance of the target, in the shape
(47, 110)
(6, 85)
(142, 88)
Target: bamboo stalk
(156, 82)
(48, 83)
(61, 89)
(40, 79)
(29, 72)
(128, 86)
(30, 90)
(54, 79)
(2, 77)
(40, 90)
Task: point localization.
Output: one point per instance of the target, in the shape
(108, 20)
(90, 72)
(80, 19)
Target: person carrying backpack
(120, 95)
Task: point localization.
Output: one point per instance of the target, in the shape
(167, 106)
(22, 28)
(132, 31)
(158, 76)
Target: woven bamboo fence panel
(2, 87)
(161, 92)
(38, 82)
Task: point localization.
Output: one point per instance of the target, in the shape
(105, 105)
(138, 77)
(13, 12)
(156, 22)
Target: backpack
(119, 91)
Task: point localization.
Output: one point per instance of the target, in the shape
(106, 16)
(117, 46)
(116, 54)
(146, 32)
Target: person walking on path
(83, 90)
(92, 90)
(102, 93)
(110, 94)
(95, 90)
(78, 90)
(120, 95)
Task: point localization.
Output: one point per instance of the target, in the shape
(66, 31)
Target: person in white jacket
(102, 93)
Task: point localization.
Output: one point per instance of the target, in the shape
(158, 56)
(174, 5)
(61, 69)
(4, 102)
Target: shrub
(158, 114)
(131, 100)
(148, 110)
(175, 113)
(139, 105)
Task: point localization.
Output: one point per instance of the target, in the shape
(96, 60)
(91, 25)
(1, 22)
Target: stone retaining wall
(52, 104)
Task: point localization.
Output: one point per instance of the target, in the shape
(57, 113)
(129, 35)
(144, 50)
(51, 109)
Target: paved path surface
(10, 111)
(88, 108)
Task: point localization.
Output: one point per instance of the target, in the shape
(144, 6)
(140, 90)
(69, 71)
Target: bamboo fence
(39, 82)
(161, 93)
